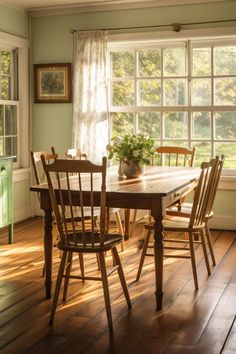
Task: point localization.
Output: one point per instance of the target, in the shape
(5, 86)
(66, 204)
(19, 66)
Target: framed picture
(52, 83)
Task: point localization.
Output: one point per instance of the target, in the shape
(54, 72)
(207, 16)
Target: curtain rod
(175, 26)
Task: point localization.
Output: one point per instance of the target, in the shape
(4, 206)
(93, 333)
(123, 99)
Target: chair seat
(110, 241)
(180, 223)
(185, 210)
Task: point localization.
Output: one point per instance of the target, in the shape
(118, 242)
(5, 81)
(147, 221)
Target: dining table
(157, 189)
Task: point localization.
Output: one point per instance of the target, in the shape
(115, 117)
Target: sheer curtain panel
(90, 116)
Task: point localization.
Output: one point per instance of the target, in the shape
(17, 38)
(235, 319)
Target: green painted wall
(51, 42)
(13, 21)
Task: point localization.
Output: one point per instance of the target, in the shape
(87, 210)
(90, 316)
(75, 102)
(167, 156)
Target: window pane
(122, 123)
(229, 150)
(225, 91)
(5, 92)
(175, 143)
(10, 113)
(149, 92)
(14, 147)
(149, 62)
(201, 92)
(1, 120)
(5, 59)
(11, 147)
(123, 93)
(201, 125)
(225, 125)
(175, 92)
(225, 60)
(176, 125)
(201, 62)
(122, 64)
(1, 147)
(202, 153)
(174, 61)
(8, 146)
(150, 123)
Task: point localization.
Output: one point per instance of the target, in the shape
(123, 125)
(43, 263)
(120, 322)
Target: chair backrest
(85, 181)
(37, 163)
(215, 183)
(203, 193)
(175, 156)
(76, 154)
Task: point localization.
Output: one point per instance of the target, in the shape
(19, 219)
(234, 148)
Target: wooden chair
(37, 164)
(175, 156)
(83, 241)
(169, 156)
(77, 154)
(185, 208)
(191, 225)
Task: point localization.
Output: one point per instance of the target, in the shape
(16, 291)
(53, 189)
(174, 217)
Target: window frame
(134, 42)
(12, 42)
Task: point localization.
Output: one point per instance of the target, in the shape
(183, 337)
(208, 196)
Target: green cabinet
(6, 207)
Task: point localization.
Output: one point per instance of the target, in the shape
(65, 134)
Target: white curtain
(90, 115)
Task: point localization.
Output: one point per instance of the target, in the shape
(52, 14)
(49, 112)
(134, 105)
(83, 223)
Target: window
(14, 134)
(181, 93)
(8, 103)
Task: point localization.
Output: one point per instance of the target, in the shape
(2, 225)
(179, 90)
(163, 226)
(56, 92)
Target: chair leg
(58, 286)
(98, 261)
(202, 235)
(107, 220)
(81, 263)
(67, 273)
(193, 260)
(209, 241)
(143, 254)
(131, 234)
(106, 289)
(120, 229)
(121, 276)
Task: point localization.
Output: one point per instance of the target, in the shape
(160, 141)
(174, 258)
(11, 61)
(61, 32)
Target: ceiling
(42, 4)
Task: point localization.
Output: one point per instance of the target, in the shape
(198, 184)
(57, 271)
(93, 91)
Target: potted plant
(133, 151)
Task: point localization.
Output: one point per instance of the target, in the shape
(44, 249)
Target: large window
(179, 93)
(8, 103)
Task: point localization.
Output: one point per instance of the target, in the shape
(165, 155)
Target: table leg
(48, 251)
(126, 224)
(158, 256)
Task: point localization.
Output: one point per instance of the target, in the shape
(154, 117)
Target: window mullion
(212, 104)
(162, 97)
(189, 75)
(136, 87)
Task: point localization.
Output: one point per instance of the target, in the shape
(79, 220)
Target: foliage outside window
(179, 94)
(8, 104)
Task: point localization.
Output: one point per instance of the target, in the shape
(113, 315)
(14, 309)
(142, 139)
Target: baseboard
(22, 214)
(223, 222)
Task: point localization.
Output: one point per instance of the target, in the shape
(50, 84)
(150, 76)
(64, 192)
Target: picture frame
(52, 83)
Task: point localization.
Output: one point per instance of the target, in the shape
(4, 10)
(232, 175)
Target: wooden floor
(191, 322)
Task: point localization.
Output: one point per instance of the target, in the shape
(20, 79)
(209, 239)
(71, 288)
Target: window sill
(227, 182)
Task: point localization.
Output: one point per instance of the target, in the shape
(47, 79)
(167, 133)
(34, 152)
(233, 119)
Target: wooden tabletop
(157, 180)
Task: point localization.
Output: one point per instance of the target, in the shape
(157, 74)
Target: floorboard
(191, 321)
